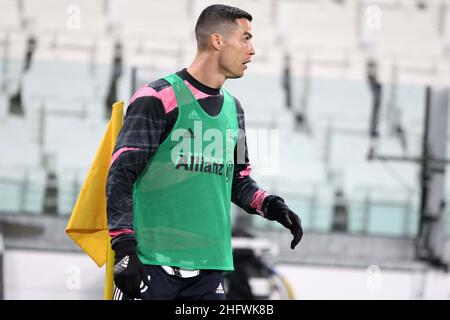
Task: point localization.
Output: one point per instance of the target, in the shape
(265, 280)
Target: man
(168, 200)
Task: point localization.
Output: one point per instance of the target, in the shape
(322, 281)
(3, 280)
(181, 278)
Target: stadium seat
(263, 109)
(376, 189)
(388, 218)
(70, 142)
(34, 194)
(22, 179)
(76, 16)
(13, 46)
(384, 200)
(340, 101)
(43, 88)
(410, 101)
(318, 25)
(19, 145)
(447, 223)
(11, 189)
(10, 15)
(304, 206)
(71, 154)
(143, 19)
(97, 50)
(403, 27)
(68, 189)
(4, 106)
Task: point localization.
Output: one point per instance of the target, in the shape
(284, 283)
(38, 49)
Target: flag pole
(109, 273)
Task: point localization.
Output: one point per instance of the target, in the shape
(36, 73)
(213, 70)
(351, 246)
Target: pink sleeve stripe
(144, 91)
(246, 171)
(257, 201)
(120, 232)
(168, 98)
(167, 95)
(119, 152)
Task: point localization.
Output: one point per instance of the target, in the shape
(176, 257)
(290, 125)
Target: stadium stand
(63, 62)
(307, 98)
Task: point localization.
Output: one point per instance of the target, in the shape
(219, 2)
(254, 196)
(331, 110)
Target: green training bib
(182, 199)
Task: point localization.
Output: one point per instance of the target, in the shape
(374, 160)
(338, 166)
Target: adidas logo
(193, 115)
(219, 289)
(124, 262)
(143, 287)
(121, 265)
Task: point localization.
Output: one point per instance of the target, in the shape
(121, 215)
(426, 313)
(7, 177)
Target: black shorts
(208, 285)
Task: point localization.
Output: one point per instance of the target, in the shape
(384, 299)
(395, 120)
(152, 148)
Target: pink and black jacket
(149, 119)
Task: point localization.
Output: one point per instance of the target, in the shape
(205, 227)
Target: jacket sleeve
(245, 192)
(138, 139)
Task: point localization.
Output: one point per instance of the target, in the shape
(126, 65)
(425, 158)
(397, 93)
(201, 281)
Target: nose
(252, 50)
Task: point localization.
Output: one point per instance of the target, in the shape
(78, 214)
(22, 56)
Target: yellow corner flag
(88, 226)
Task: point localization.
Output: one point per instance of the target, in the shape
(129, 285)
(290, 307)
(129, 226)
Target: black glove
(276, 209)
(129, 274)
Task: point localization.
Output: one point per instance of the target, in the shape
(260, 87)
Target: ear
(216, 41)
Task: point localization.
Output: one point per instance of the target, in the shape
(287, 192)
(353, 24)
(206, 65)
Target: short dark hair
(213, 18)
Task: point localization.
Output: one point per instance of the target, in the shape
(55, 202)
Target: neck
(205, 69)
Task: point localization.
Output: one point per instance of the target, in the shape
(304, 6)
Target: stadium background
(321, 69)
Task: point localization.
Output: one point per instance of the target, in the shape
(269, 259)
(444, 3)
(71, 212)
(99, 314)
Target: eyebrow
(248, 34)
